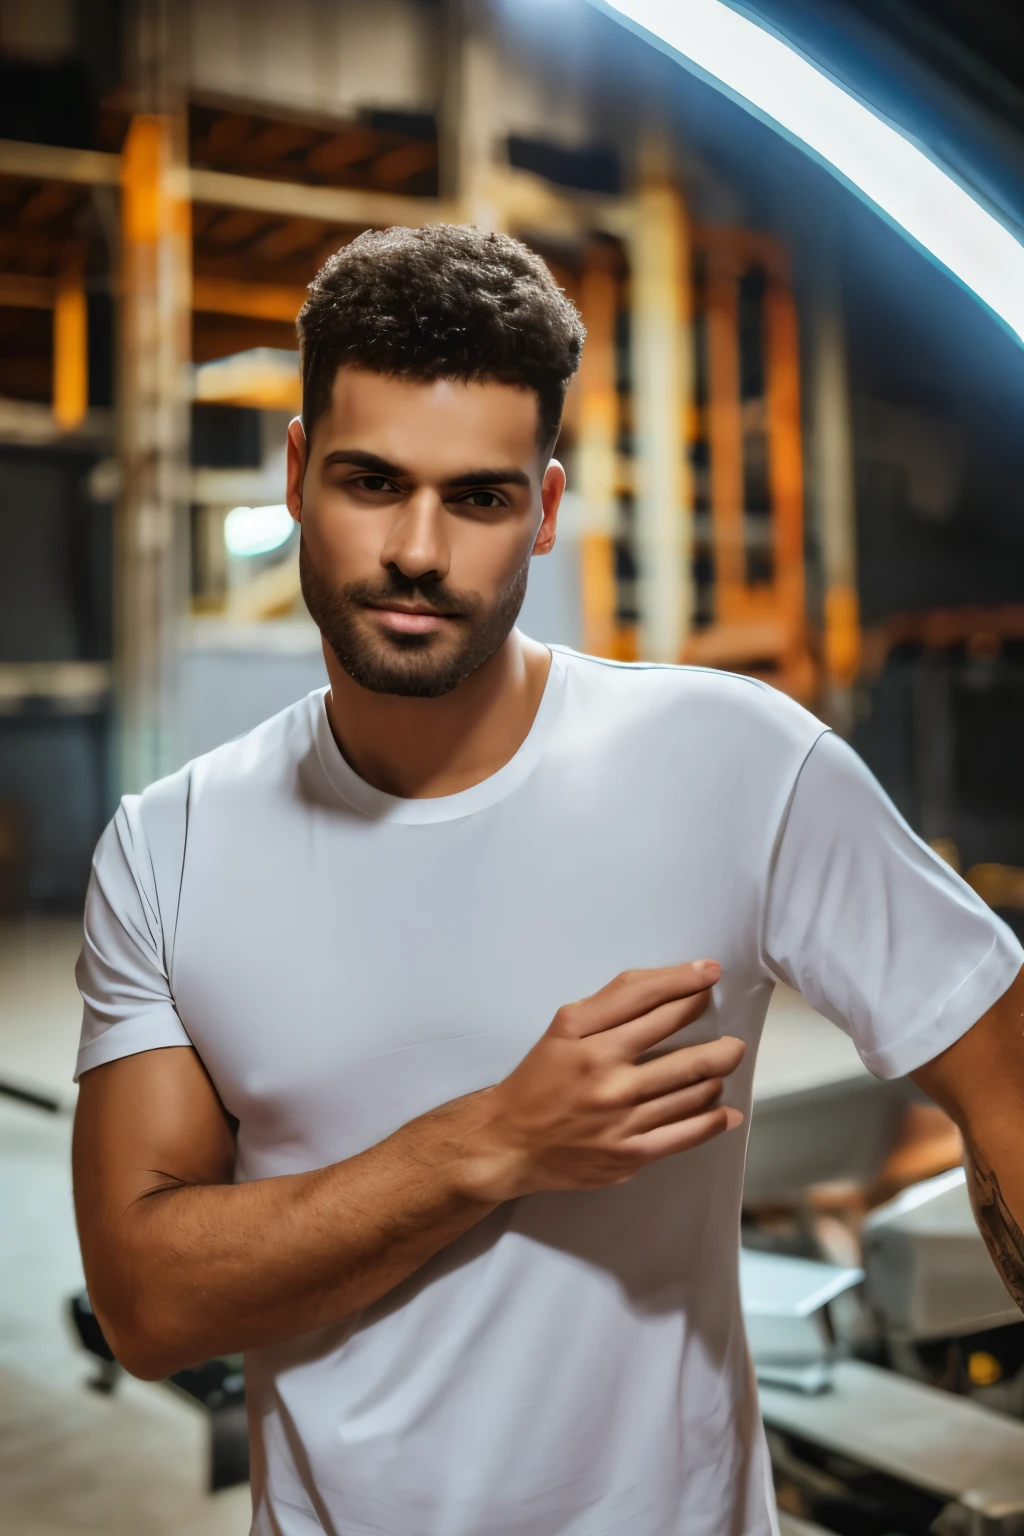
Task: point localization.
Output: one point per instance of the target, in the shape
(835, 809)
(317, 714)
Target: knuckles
(612, 1090)
(568, 1021)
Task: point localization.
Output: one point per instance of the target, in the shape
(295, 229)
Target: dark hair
(444, 302)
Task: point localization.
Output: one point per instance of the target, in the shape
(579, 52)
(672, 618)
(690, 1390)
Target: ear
(551, 488)
(296, 467)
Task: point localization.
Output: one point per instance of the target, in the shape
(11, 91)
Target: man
(340, 1105)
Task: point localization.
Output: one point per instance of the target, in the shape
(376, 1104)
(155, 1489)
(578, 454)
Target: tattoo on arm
(1001, 1232)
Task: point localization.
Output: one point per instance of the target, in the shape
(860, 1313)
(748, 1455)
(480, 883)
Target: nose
(417, 543)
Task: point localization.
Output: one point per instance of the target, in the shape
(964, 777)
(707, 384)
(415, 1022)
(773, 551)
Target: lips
(411, 621)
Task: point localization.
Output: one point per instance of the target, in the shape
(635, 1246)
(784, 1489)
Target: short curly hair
(445, 302)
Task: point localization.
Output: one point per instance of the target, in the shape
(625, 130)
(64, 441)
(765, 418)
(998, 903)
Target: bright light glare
(929, 205)
(256, 530)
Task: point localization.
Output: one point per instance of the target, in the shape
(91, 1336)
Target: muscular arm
(979, 1081)
(183, 1264)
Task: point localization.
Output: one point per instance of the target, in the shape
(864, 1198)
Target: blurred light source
(887, 168)
(265, 377)
(256, 530)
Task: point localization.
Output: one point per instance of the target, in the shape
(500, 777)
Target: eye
(484, 499)
(373, 483)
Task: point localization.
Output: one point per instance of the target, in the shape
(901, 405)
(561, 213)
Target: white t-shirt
(343, 960)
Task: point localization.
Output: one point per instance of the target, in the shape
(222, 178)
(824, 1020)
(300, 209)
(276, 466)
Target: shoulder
(260, 756)
(149, 829)
(723, 708)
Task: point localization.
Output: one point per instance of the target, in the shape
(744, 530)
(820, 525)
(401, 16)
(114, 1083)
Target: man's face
(420, 506)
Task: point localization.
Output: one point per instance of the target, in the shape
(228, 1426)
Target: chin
(406, 668)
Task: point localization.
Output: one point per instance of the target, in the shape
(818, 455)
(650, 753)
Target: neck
(422, 748)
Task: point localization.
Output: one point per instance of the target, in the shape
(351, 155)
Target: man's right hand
(184, 1263)
(588, 1106)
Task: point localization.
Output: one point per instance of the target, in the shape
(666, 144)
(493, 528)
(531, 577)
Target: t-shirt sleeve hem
(982, 987)
(152, 1031)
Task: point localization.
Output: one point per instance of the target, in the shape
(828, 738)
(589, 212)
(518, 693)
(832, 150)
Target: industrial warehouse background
(794, 450)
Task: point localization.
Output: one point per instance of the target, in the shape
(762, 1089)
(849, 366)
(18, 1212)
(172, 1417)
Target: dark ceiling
(977, 43)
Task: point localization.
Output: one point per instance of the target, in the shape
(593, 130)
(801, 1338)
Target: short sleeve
(122, 970)
(879, 934)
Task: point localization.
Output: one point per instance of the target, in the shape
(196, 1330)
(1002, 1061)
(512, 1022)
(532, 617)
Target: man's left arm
(979, 1082)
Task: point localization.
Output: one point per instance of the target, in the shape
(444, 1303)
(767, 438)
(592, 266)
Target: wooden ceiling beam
(397, 165)
(234, 228)
(285, 199)
(46, 203)
(342, 151)
(226, 135)
(20, 291)
(274, 142)
(253, 301)
(41, 255)
(331, 205)
(49, 162)
(285, 241)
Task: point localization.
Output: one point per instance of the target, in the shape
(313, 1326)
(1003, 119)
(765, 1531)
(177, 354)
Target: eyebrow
(370, 461)
(509, 475)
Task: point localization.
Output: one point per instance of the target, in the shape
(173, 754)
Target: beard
(425, 666)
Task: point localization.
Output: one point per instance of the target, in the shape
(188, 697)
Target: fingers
(631, 1040)
(690, 1064)
(633, 994)
(672, 1108)
(667, 1140)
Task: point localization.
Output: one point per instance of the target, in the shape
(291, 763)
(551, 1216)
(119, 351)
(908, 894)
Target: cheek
(485, 559)
(342, 540)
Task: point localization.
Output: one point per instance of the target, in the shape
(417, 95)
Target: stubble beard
(414, 666)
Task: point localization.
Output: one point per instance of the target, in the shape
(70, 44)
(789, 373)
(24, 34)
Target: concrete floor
(71, 1460)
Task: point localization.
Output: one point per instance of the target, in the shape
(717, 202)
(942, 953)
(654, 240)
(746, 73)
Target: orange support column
(151, 564)
(835, 504)
(759, 619)
(596, 457)
(725, 434)
(660, 262)
(70, 351)
(786, 478)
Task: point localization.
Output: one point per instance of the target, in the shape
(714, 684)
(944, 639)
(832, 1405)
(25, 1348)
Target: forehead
(440, 427)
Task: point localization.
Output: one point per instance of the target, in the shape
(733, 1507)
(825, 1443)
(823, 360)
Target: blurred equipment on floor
(217, 1386)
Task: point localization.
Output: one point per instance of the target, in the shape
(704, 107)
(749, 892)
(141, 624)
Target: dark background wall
(54, 607)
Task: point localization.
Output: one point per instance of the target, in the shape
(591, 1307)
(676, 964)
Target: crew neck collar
(380, 806)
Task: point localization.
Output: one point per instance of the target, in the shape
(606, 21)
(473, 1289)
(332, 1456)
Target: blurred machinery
(889, 1356)
(215, 1387)
(945, 1314)
(903, 1411)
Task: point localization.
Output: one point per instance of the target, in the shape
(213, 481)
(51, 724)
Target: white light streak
(257, 530)
(874, 157)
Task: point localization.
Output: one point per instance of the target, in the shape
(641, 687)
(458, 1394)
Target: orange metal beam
(743, 248)
(762, 625)
(726, 439)
(255, 301)
(785, 458)
(152, 516)
(70, 352)
(598, 432)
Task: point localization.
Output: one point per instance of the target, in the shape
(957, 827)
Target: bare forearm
(979, 1082)
(211, 1269)
(182, 1264)
(999, 1215)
